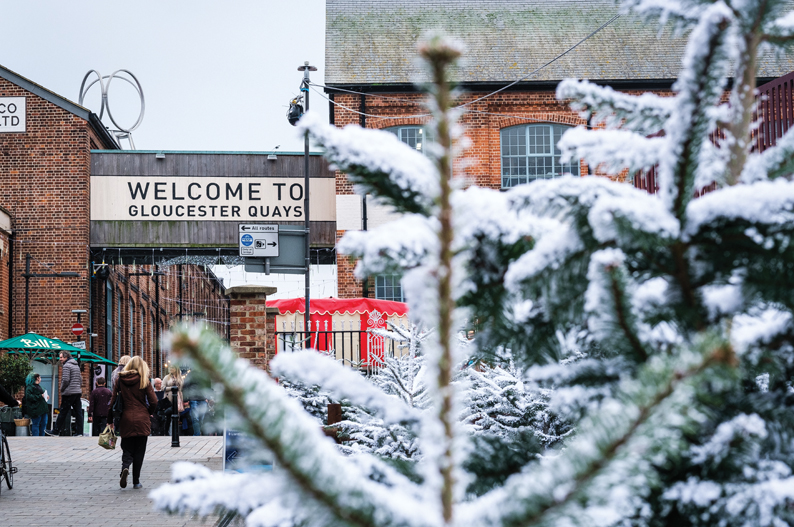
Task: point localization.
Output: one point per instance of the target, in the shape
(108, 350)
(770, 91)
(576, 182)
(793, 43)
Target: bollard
(174, 416)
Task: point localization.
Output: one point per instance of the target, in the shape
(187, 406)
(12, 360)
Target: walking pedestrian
(114, 375)
(197, 402)
(71, 390)
(99, 407)
(157, 422)
(138, 403)
(174, 378)
(36, 404)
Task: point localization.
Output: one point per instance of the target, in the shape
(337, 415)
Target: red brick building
(516, 55)
(46, 144)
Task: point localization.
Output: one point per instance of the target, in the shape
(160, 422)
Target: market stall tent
(340, 327)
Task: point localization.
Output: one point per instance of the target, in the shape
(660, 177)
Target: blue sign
(238, 449)
(247, 239)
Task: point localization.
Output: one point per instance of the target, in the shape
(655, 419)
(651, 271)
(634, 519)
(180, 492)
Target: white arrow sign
(258, 241)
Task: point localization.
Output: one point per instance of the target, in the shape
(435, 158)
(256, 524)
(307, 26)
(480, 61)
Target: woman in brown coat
(139, 402)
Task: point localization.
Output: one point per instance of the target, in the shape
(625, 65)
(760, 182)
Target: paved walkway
(71, 481)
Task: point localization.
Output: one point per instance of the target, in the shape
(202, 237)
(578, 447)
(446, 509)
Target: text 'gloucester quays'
(217, 200)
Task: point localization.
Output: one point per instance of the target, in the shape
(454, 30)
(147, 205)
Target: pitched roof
(61, 102)
(374, 41)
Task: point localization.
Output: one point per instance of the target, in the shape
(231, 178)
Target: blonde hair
(175, 374)
(124, 359)
(139, 365)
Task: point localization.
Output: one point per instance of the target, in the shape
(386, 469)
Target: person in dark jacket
(98, 407)
(138, 401)
(71, 390)
(36, 404)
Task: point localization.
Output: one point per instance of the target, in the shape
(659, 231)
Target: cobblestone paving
(71, 481)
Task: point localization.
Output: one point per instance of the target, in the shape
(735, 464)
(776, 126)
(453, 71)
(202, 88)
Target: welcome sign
(192, 198)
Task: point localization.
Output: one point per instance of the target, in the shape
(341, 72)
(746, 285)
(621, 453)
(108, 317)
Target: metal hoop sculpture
(105, 87)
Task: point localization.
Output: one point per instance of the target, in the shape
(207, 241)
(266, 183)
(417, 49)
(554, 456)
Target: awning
(329, 306)
(45, 349)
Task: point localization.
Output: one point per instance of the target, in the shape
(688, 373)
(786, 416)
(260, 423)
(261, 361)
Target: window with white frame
(388, 287)
(529, 152)
(415, 136)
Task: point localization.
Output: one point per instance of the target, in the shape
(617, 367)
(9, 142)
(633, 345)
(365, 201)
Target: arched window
(415, 136)
(132, 328)
(153, 339)
(108, 320)
(143, 333)
(119, 304)
(529, 152)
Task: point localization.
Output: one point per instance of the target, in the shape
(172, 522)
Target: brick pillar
(248, 322)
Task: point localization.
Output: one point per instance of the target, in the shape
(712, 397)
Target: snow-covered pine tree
(684, 303)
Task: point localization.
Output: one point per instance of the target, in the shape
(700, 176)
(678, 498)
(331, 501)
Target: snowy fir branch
(311, 461)
(377, 162)
(311, 368)
(554, 490)
(610, 150)
(700, 88)
(634, 354)
(772, 163)
(643, 114)
(405, 243)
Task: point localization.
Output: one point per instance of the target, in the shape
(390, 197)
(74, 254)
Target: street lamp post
(174, 416)
(307, 279)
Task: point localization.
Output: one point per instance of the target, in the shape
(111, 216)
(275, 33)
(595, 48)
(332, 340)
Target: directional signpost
(258, 241)
(290, 250)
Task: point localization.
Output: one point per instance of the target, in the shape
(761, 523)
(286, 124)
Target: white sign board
(258, 240)
(79, 344)
(12, 114)
(194, 198)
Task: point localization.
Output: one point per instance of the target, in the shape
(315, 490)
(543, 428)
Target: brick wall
(249, 320)
(157, 304)
(482, 123)
(45, 188)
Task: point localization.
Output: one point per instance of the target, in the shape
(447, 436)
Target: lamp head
(295, 112)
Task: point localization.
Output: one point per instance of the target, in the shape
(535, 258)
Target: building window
(155, 344)
(143, 333)
(530, 152)
(108, 320)
(119, 303)
(132, 328)
(414, 136)
(388, 287)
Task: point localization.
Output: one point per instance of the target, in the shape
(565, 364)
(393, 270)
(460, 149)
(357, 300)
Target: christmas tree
(663, 322)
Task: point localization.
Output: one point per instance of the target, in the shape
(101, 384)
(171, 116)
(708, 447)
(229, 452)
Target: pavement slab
(72, 481)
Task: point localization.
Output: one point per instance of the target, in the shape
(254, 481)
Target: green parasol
(45, 349)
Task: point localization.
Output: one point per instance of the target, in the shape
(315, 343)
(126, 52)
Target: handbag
(118, 406)
(107, 439)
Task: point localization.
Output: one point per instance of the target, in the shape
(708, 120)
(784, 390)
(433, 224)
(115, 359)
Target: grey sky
(216, 75)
